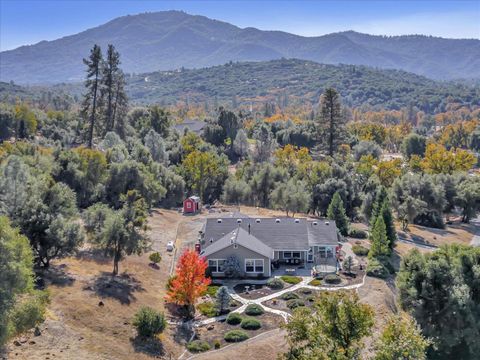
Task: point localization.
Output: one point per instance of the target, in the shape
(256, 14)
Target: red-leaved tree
(190, 281)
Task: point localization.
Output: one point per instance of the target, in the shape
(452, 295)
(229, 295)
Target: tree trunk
(94, 109)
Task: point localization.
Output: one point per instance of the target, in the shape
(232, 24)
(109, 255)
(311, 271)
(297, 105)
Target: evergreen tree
(222, 300)
(386, 214)
(331, 122)
(92, 85)
(379, 239)
(336, 212)
(380, 196)
(109, 71)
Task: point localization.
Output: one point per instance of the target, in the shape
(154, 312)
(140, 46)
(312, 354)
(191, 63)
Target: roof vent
(219, 221)
(211, 240)
(277, 220)
(239, 221)
(257, 221)
(327, 223)
(297, 221)
(315, 223)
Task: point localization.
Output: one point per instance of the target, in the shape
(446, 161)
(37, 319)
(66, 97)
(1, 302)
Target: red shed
(191, 205)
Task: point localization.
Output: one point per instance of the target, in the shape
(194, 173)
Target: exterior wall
(190, 206)
(242, 253)
(279, 255)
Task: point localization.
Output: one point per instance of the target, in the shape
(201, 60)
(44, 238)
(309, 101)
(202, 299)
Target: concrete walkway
(476, 238)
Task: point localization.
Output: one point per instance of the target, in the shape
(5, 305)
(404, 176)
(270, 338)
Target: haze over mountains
(173, 39)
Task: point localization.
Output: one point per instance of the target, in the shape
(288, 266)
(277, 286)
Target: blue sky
(25, 22)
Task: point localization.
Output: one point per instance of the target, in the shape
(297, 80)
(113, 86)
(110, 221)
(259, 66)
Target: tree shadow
(120, 288)
(96, 255)
(55, 275)
(183, 333)
(148, 346)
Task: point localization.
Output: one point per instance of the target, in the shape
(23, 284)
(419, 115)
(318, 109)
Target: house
(194, 126)
(258, 247)
(191, 205)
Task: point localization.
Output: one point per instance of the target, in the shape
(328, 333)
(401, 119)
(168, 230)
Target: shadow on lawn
(121, 287)
(56, 275)
(149, 346)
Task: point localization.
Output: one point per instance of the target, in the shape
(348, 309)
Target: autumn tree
(92, 85)
(439, 160)
(331, 121)
(189, 282)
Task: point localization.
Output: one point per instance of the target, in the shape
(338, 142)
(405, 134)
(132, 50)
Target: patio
(305, 269)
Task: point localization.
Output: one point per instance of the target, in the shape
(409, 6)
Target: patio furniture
(290, 270)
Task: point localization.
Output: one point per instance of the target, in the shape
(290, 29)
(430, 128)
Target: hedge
(254, 310)
(250, 324)
(236, 336)
(234, 319)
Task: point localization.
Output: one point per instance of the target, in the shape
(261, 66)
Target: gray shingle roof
(288, 234)
(241, 237)
(192, 125)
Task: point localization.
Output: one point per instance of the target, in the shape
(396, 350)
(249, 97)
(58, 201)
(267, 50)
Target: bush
(275, 283)
(254, 310)
(250, 324)
(28, 312)
(197, 346)
(358, 234)
(360, 250)
(236, 336)
(306, 291)
(212, 290)
(234, 319)
(290, 279)
(375, 268)
(208, 309)
(217, 344)
(155, 257)
(310, 298)
(332, 279)
(289, 296)
(149, 322)
(294, 303)
(315, 282)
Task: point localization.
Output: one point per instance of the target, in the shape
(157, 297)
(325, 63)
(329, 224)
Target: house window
(216, 265)
(189, 205)
(291, 255)
(254, 265)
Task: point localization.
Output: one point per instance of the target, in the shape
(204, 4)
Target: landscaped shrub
(332, 279)
(376, 269)
(275, 283)
(360, 250)
(155, 257)
(289, 296)
(290, 279)
(306, 291)
(197, 346)
(236, 336)
(149, 322)
(217, 344)
(315, 282)
(250, 324)
(208, 309)
(212, 290)
(294, 303)
(254, 310)
(358, 234)
(234, 319)
(310, 298)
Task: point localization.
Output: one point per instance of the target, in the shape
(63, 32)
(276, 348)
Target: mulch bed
(280, 304)
(256, 291)
(216, 331)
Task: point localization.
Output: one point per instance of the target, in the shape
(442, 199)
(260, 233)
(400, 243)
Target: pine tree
(223, 300)
(377, 205)
(386, 214)
(336, 211)
(379, 240)
(331, 122)
(92, 85)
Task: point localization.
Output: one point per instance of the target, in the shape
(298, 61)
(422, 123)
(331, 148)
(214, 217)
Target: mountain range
(171, 40)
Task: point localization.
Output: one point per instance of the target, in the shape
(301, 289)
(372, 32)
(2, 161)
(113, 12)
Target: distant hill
(299, 81)
(172, 39)
(291, 81)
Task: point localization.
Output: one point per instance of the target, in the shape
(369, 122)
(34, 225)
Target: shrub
(28, 312)
(250, 324)
(358, 234)
(375, 268)
(234, 319)
(155, 257)
(360, 250)
(254, 310)
(315, 282)
(197, 346)
(236, 336)
(217, 344)
(294, 303)
(306, 291)
(208, 309)
(310, 298)
(212, 290)
(289, 296)
(149, 322)
(275, 283)
(290, 279)
(332, 279)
